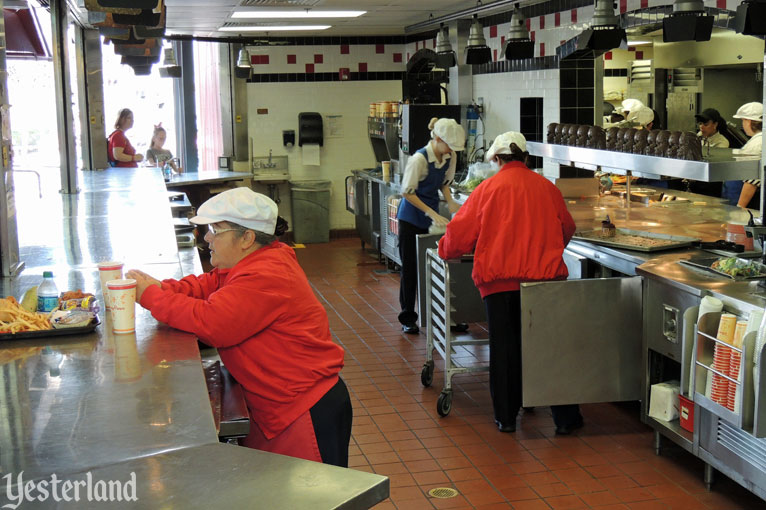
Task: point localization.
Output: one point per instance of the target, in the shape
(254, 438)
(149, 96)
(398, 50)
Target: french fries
(14, 319)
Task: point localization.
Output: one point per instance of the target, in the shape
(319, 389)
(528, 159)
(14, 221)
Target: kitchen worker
(517, 226)
(120, 152)
(628, 109)
(711, 125)
(742, 193)
(257, 308)
(643, 117)
(429, 170)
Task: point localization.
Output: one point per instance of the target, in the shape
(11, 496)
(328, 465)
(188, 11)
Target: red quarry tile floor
(609, 464)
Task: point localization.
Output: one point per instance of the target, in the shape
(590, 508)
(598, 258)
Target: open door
(581, 341)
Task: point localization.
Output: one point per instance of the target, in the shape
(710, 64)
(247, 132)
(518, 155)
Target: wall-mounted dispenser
(288, 138)
(310, 128)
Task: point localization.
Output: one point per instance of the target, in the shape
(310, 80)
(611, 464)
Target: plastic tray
(705, 263)
(672, 243)
(25, 335)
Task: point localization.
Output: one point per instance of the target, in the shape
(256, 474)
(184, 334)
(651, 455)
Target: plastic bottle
(47, 293)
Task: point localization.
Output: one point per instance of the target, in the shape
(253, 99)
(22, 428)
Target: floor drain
(442, 493)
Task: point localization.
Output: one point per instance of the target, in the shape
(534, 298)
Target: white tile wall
(332, 59)
(339, 156)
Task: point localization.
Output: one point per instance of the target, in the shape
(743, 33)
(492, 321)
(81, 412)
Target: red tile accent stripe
(574, 15)
(319, 58)
(502, 41)
(644, 4)
(494, 55)
(639, 55)
(362, 67)
(493, 31)
(623, 6)
(529, 24)
(344, 73)
(292, 59)
(542, 49)
(557, 19)
(344, 49)
(542, 22)
(381, 48)
(259, 59)
(532, 35)
(309, 68)
(608, 55)
(721, 4)
(397, 57)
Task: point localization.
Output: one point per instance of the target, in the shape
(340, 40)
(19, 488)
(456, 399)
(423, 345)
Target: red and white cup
(109, 271)
(122, 301)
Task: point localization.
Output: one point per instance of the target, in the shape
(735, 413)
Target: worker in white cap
(430, 170)
(517, 225)
(643, 117)
(743, 193)
(258, 309)
(630, 105)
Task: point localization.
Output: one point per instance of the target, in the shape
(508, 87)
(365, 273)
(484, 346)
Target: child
(156, 154)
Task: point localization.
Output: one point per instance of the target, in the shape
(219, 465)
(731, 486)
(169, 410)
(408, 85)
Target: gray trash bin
(311, 211)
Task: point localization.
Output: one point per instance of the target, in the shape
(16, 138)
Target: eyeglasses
(213, 231)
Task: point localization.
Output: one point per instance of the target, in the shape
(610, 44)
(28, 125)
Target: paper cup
(108, 271)
(122, 299)
(726, 328)
(127, 364)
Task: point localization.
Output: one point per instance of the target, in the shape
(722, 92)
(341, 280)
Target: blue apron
(731, 191)
(427, 191)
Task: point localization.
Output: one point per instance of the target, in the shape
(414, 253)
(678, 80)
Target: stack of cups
(722, 358)
(386, 165)
(735, 363)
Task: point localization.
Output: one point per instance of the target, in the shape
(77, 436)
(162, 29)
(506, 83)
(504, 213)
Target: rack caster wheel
(444, 404)
(427, 374)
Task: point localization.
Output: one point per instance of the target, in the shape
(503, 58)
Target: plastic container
(47, 293)
(311, 211)
(686, 412)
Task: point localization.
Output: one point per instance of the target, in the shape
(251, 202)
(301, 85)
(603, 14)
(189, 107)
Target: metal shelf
(721, 165)
(673, 431)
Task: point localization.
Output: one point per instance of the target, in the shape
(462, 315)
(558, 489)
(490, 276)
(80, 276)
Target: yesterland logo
(19, 491)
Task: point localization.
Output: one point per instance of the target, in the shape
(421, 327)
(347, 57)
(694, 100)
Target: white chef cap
(642, 116)
(752, 111)
(502, 144)
(450, 131)
(630, 105)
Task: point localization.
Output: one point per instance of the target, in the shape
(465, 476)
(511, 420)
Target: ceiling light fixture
(274, 28)
(445, 55)
(687, 22)
(170, 67)
(476, 51)
(297, 14)
(751, 18)
(639, 43)
(244, 58)
(604, 34)
(518, 45)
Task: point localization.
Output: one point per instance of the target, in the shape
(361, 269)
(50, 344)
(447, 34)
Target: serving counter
(114, 405)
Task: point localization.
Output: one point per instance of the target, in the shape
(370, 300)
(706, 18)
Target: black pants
(504, 321)
(332, 417)
(408, 279)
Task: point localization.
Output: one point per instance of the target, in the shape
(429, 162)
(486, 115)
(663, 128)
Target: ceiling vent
(279, 3)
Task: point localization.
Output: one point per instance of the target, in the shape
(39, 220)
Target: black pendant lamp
(476, 51)
(445, 55)
(688, 22)
(751, 17)
(518, 45)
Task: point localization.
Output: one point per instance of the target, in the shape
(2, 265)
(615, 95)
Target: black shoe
(505, 427)
(565, 430)
(410, 329)
(460, 327)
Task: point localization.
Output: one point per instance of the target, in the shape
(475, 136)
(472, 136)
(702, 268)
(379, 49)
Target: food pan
(706, 262)
(628, 239)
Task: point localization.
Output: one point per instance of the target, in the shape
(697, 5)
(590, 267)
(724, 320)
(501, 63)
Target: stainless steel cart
(438, 325)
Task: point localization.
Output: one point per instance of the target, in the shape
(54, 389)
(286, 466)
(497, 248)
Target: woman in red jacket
(517, 225)
(271, 331)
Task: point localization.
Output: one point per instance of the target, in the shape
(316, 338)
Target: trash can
(311, 211)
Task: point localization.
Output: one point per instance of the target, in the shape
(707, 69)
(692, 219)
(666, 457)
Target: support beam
(90, 85)
(64, 113)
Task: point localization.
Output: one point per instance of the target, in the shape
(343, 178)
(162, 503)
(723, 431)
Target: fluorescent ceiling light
(638, 43)
(274, 28)
(297, 14)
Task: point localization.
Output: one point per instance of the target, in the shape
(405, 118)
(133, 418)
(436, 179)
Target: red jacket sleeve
(568, 226)
(225, 317)
(194, 286)
(463, 231)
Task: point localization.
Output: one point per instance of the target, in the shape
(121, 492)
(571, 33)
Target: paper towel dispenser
(310, 128)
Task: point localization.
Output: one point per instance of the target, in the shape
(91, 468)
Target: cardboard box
(578, 187)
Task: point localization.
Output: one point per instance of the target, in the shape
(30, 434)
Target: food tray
(25, 335)
(706, 262)
(655, 242)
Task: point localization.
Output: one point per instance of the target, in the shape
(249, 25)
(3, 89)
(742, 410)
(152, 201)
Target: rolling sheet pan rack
(438, 325)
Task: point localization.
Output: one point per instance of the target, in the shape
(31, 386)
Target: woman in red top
(517, 225)
(119, 150)
(272, 333)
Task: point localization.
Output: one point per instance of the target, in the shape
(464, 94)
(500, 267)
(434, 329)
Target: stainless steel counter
(721, 165)
(112, 404)
(194, 178)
